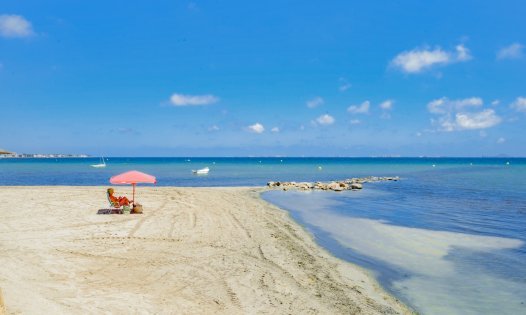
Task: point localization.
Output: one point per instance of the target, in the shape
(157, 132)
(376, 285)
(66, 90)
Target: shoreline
(195, 249)
(343, 264)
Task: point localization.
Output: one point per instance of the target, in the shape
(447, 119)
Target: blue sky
(238, 78)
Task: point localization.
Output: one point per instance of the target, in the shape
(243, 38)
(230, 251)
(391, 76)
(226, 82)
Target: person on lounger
(121, 201)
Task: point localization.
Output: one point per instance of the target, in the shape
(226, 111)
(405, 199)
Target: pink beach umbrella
(133, 178)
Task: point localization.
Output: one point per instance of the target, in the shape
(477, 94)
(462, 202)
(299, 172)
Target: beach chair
(112, 204)
(115, 207)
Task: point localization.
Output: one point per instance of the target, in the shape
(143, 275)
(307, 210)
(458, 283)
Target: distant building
(4, 153)
(7, 154)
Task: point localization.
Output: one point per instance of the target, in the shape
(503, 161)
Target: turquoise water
(445, 239)
(224, 171)
(448, 239)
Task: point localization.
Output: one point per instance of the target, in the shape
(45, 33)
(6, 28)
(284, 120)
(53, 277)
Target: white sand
(194, 250)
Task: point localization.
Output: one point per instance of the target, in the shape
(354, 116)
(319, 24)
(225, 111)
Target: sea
(448, 238)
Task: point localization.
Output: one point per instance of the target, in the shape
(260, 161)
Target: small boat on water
(202, 171)
(100, 165)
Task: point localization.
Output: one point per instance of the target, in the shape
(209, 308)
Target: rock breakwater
(339, 185)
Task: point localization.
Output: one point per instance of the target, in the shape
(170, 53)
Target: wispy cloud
(275, 129)
(513, 51)
(344, 85)
(386, 106)
(315, 102)
(192, 100)
(256, 128)
(363, 108)
(519, 104)
(462, 53)
(325, 120)
(418, 60)
(213, 128)
(355, 121)
(15, 26)
(501, 140)
(455, 115)
(444, 105)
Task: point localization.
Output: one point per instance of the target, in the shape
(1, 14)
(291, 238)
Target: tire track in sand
(149, 215)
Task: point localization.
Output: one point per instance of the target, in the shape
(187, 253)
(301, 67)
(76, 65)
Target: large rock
(305, 186)
(335, 186)
(356, 186)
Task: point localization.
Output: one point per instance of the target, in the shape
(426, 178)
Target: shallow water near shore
(443, 241)
(448, 238)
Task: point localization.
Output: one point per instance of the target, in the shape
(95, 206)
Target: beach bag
(137, 208)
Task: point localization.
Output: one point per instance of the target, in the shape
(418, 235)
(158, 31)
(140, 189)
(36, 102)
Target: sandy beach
(194, 250)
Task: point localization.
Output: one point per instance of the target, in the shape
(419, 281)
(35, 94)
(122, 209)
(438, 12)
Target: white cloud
(513, 51)
(256, 128)
(466, 121)
(15, 26)
(480, 120)
(501, 140)
(495, 102)
(325, 119)
(444, 105)
(192, 100)
(462, 53)
(387, 105)
(519, 104)
(213, 128)
(344, 85)
(359, 109)
(275, 129)
(315, 102)
(455, 115)
(355, 121)
(418, 60)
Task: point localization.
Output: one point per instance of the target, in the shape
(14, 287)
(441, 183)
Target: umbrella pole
(133, 194)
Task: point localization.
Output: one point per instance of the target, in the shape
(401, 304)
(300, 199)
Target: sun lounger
(115, 207)
(110, 211)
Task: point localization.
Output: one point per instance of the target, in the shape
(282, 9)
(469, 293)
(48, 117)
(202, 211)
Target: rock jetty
(340, 185)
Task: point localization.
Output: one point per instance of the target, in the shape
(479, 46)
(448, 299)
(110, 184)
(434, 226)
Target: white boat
(100, 165)
(202, 171)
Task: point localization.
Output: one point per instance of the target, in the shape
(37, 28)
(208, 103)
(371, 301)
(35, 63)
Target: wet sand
(194, 250)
